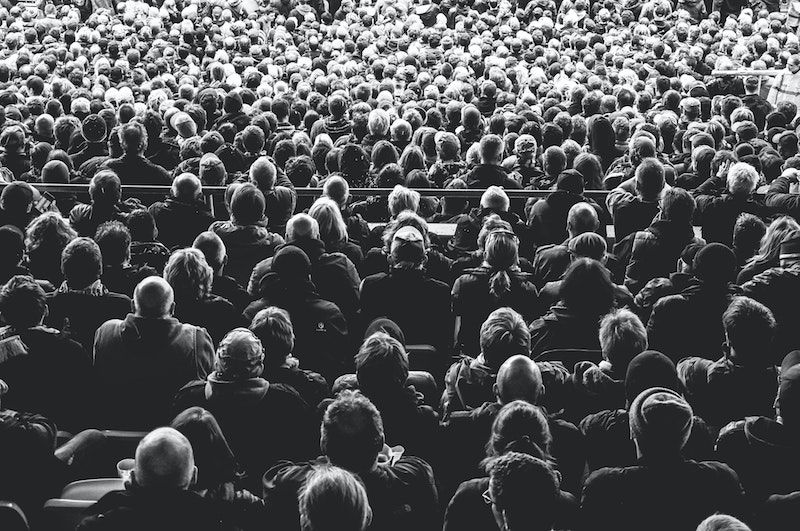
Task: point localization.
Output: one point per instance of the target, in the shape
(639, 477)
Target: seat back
(12, 518)
(91, 489)
(570, 356)
(426, 358)
(63, 515)
(119, 444)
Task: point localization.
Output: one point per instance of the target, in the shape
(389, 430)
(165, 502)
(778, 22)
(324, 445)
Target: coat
(778, 289)
(180, 222)
(246, 246)
(717, 214)
(547, 218)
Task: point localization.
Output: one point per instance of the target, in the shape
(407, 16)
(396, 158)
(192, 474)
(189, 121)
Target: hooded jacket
(246, 245)
(778, 289)
(180, 222)
(548, 217)
(140, 363)
(562, 328)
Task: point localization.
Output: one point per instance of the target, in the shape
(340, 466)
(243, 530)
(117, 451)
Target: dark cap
(93, 128)
(570, 181)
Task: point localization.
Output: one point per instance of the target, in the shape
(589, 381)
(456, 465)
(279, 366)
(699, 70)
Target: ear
(130, 483)
(172, 308)
(496, 390)
(193, 480)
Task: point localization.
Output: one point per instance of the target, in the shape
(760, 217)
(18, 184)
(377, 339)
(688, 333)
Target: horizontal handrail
(745, 72)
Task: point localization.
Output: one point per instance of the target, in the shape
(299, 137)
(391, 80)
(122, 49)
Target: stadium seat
(569, 357)
(12, 518)
(91, 489)
(423, 358)
(63, 515)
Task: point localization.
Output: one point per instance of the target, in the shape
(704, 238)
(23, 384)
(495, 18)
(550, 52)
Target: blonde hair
(401, 199)
(334, 500)
(332, 228)
(189, 275)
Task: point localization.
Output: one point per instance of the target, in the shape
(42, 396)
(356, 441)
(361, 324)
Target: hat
(660, 416)
(650, 369)
(184, 125)
(570, 181)
(715, 263)
(291, 263)
(525, 144)
(408, 246)
(790, 246)
(388, 327)
(93, 128)
(240, 344)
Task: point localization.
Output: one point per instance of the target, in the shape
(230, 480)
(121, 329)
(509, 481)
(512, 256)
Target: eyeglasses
(487, 497)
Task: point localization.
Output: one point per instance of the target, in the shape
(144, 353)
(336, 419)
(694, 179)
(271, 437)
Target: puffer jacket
(246, 245)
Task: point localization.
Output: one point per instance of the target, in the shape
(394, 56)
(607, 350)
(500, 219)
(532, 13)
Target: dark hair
(587, 288)
(381, 364)
(22, 302)
(142, 226)
(526, 490)
(212, 453)
(352, 432)
(678, 205)
(519, 427)
(114, 241)
(273, 327)
(81, 262)
(750, 329)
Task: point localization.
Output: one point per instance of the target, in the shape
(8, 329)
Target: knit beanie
(715, 263)
(650, 369)
(660, 418)
(93, 128)
(570, 181)
(291, 263)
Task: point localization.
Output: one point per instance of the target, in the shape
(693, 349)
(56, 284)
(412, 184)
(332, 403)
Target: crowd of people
(587, 360)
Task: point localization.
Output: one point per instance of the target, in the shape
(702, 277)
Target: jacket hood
(664, 228)
(250, 391)
(313, 247)
(150, 330)
(194, 206)
(768, 434)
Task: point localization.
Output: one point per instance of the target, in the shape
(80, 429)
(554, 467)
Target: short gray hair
(742, 179)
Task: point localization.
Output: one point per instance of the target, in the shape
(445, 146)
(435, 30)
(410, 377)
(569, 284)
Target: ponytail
(499, 284)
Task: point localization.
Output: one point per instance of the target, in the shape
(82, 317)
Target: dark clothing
(237, 118)
(47, 373)
(594, 388)
(230, 290)
(79, 315)
(609, 444)
(729, 84)
(377, 261)
(281, 202)
(717, 214)
(419, 305)
(661, 496)
(631, 215)
(763, 453)
(251, 412)
(89, 151)
(180, 222)
(485, 175)
(135, 169)
(780, 201)
(246, 246)
(165, 154)
(468, 227)
(86, 218)
(548, 217)
(562, 328)
(149, 254)
(156, 510)
(140, 363)
(311, 386)
(760, 107)
(20, 221)
(778, 289)
(402, 496)
(472, 302)
(215, 314)
(714, 389)
(124, 279)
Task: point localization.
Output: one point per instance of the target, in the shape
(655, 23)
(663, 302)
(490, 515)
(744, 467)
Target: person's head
(381, 365)
(650, 179)
(17, 198)
(523, 491)
(587, 288)
(23, 303)
(749, 332)
(132, 138)
(164, 461)
(777, 231)
(186, 187)
(408, 248)
(247, 205)
(337, 189)
(352, 432)
(273, 327)
(554, 160)
(678, 206)
(622, 338)
(49, 230)
(12, 241)
(722, 522)
(495, 199)
(302, 227)
(742, 179)
(189, 275)
(502, 335)
(501, 257)
(114, 241)
(263, 174)
(331, 226)
(790, 249)
(81, 263)
(582, 217)
(213, 456)
(105, 189)
(650, 369)
(715, 264)
(660, 423)
(519, 378)
(213, 249)
(748, 232)
(519, 427)
(401, 199)
(492, 148)
(239, 356)
(588, 165)
(153, 298)
(142, 226)
(333, 499)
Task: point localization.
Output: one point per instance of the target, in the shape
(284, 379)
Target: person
(247, 239)
(16, 205)
(182, 216)
(46, 371)
(722, 522)
(132, 167)
(494, 201)
(497, 282)
(602, 141)
(12, 240)
(758, 446)
(190, 277)
(249, 408)
(151, 352)
(775, 288)
(146, 250)
(82, 303)
(490, 172)
(93, 131)
(333, 231)
(757, 104)
(397, 294)
(768, 255)
(159, 495)
(586, 295)
(105, 191)
(655, 250)
(748, 232)
(280, 197)
(636, 202)
(222, 285)
(402, 491)
(338, 190)
(334, 499)
(547, 216)
(321, 330)
(333, 273)
(273, 327)
(622, 497)
(45, 239)
(119, 276)
(717, 214)
(786, 84)
(779, 198)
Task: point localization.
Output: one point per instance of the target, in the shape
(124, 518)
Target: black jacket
(717, 214)
(486, 175)
(135, 169)
(80, 314)
(548, 217)
(180, 222)
(780, 201)
(778, 289)
(562, 328)
(217, 315)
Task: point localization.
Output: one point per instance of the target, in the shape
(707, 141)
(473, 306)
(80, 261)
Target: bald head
(301, 226)
(263, 174)
(153, 297)
(336, 189)
(164, 460)
(519, 378)
(212, 248)
(582, 218)
(186, 187)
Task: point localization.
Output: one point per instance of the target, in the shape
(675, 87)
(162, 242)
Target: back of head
(332, 229)
(381, 365)
(12, 242)
(524, 492)
(337, 189)
(186, 187)
(81, 263)
(55, 171)
(164, 461)
(722, 522)
(622, 337)
(133, 138)
(302, 226)
(716, 264)
(212, 247)
(588, 245)
(749, 331)
(742, 179)
(492, 148)
(501, 254)
(519, 378)
(504, 334)
(495, 199)
(23, 303)
(402, 198)
(189, 275)
(248, 205)
(650, 179)
(519, 427)
(263, 174)
(587, 288)
(239, 356)
(114, 241)
(334, 500)
(660, 421)
(153, 297)
(105, 188)
(352, 432)
(17, 197)
(142, 226)
(678, 206)
(273, 327)
(555, 160)
(582, 217)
